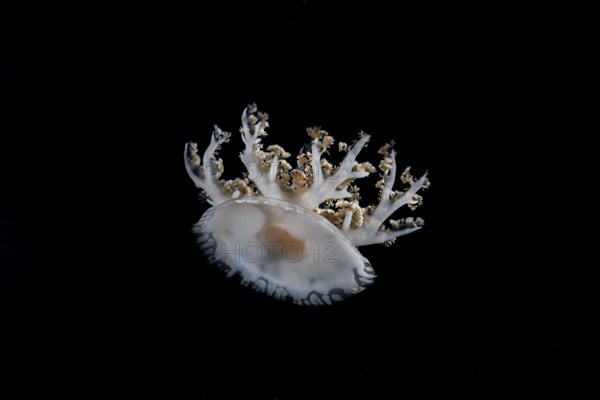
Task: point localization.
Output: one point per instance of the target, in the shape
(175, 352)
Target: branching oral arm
(252, 129)
(373, 230)
(325, 188)
(206, 172)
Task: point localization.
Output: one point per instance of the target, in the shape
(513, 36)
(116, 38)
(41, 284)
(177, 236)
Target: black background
(105, 295)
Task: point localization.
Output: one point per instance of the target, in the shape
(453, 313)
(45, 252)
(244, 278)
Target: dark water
(104, 293)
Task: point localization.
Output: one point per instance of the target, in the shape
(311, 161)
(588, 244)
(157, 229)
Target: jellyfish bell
(293, 233)
(283, 250)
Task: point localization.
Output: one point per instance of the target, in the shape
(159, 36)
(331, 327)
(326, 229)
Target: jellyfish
(293, 233)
